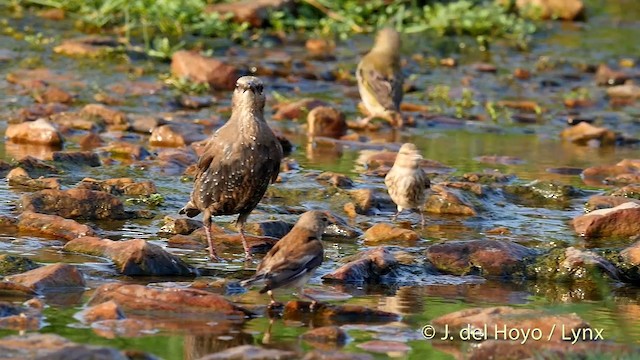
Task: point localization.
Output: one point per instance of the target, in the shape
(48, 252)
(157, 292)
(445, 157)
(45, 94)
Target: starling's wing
(386, 87)
(289, 263)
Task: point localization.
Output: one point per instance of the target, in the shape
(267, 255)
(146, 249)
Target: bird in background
(294, 258)
(239, 162)
(406, 182)
(380, 78)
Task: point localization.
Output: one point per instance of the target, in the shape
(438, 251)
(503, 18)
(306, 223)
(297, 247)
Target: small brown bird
(406, 181)
(380, 78)
(239, 162)
(294, 259)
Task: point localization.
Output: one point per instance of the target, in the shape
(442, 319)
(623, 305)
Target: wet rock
(52, 14)
(629, 191)
(77, 158)
(487, 177)
(620, 221)
(75, 203)
(51, 346)
(506, 349)
(596, 174)
(87, 46)
(120, 186)
(111, 117)
(251, 352)
(37, 111)
(626, 91)
(321, 49)
(335, 355)
(326, 337)
(623, 179)
(14, 289)
(326, 121)
(481, 257)
(19, 177)
(296, 109)
(368, 202)
(254, 12)
(607, 76)
(448, 201)
(144, 123)
(564, 170)
(36, 167)
(132, 257)
(485, 67)
(586, 134)
(504, 316)
(182, 226)
(273, 228)
(172, 300)
(52, 226)
(571, 265)
(125, 150)
(524, 105)
(338, 228)
(51, 278)
(543, 193)
(39, 132)
(13, 264)
(201, 69)
(325, 314)
(366, 266)
(174, 135)
(551, 9)
(76, 121)
(385, 347)
(383, 232)
(18, 317)
(108, 310)
(598, 202)
(335, 179)
(52, 94)
(175, 161)
(193, 102)
(91, 141)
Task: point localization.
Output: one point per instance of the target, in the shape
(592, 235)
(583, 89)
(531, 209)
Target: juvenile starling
(406, 181)
(294, 259)
(239, 162)
(380, 78)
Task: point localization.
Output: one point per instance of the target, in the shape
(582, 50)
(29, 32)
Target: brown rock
(486, 257)
(200, 69)
(273, 228)
(584, 133)
(52, 14)
(52, 347)
(91, 141)
(383, 232)
(620, 221)
(296, 109)
(626, 91)
(119, 186)
(366, 266)
(39, 132)
(506, 349)
(629, 191)
(19, 177)
(367, 202)
(174, 135)
(108, 115)
(77, 158)
(52, 226)
(326, 337)
(444, 200)
(37, 111)
(335, 179)
(598, 202)
(55, 277)
(22, 318)
(385, 347)
(87, 46)
(125, 150)
(52, 94)
(607, 76)
(13, 264)
(182, 226)
(108, 310)
(15, 289)
(75, 203)
(36, 167)
(132, 257)
(524, 105)
(144, 123)
(325, 314)
(251, 352)
(576, 261)
(176, 300)
(326, 121)
(503, 316)
(320, 48)
(551, 9)
(254, 12)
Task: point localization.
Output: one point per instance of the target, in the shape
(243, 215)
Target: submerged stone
(51, 278)
(75, 203)
(14, 264)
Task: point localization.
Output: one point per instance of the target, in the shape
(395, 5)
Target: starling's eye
(259, 87)
(325, 219)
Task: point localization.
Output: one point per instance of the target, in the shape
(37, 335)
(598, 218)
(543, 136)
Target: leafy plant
(152, 200)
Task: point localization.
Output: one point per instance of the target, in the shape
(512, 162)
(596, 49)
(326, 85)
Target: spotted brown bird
(380, 78)
(239, 162)
(406, 181)
(294, 259)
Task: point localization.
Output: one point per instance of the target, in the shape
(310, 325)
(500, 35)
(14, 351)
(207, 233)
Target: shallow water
(608, 36)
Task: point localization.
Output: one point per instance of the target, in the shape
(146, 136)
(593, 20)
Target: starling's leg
(314, 301)
(422, 218)
(267, 335)
(273, 299)
(240, 224)
(366, 120)
(395, 216)
(207, 230)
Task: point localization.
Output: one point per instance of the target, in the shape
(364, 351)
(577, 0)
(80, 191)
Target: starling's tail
(190, 210)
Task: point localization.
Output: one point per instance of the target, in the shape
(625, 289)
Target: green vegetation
(153, 200)
(162, 24)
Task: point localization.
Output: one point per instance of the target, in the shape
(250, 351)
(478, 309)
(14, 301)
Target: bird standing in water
(380, 78)
(239, 162)
(294, 258)
(406, 181)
